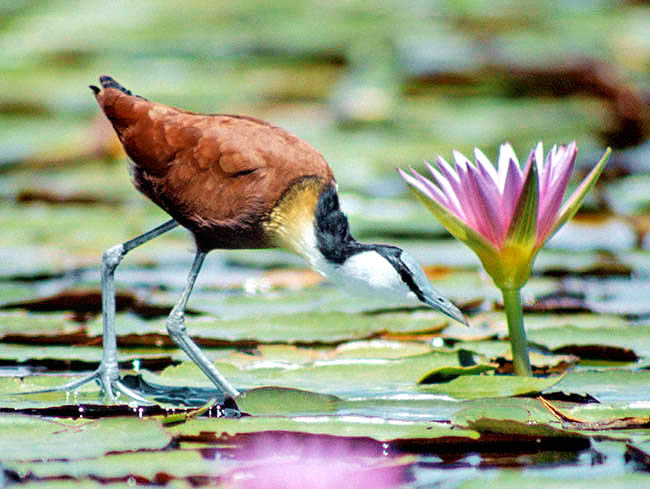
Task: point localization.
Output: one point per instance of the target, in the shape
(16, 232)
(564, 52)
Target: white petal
(448, 168)
(484, 162)
(506, 154)
(461, 160)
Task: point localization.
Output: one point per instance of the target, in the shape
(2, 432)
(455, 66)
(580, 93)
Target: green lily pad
(23, 324)
(520, 409)
(76, 439)
(523, 417)
(297, 328)
(62, 355)
(610, 385)
(477, 386)
(383, 430)
(581, 480)
(446, 374)
(339, 376)
(274, 400)
(636, 338)
(144, 465)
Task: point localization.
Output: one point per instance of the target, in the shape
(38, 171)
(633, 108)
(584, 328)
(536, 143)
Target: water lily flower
(505, 215)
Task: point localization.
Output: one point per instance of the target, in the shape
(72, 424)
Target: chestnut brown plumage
(238, 182)
(220, 176)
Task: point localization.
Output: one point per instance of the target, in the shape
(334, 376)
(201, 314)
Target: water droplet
(140, 411)
(131, 481)
(81, 411)
(136, 365)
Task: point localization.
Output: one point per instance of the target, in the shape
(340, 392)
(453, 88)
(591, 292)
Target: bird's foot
(109, 381)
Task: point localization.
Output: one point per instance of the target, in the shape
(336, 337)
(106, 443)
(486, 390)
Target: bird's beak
(433, 299)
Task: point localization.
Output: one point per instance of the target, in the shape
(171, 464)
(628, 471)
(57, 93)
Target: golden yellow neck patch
(291, 223)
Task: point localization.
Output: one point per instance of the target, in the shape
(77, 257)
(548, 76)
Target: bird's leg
(178, 332)
(107, 374)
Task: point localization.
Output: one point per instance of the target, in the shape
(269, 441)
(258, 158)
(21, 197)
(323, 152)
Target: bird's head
(388, 273)
(309, 222)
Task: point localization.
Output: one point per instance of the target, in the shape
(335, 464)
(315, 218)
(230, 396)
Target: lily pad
(76, 439)
(477, 386)
(143, 465)
(379, 429)
(274, 400)
(611, 385)
(347, 376)
(635, 339)
(298, 328)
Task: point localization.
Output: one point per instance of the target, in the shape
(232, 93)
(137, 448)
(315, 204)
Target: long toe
(112, 388)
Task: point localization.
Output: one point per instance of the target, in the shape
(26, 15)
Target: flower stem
(518, 343)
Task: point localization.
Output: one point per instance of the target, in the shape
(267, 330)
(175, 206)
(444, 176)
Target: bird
(238, 182)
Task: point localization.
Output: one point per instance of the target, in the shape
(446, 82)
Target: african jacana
(239, 182)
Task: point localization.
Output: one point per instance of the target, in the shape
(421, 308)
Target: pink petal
(485, 166)
(446, 168)
(485, 208)
(426, 187)
(447, 189)
(565, 156)
(514, 186)
(454, 180)
(551, 201)
(466, 194)
(512, 189)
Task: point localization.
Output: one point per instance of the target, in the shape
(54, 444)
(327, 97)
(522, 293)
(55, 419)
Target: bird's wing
(208, 168)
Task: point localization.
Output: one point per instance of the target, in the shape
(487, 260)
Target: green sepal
(523, 226)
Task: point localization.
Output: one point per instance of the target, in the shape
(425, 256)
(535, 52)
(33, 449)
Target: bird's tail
(109, 82)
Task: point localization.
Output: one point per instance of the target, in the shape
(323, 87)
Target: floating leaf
(477, 386)
(276, 400)
(75, 439)
(383, 430)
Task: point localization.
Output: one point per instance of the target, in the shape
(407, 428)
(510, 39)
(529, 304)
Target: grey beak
(435, 300)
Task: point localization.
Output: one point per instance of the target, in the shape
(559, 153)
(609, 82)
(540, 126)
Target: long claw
(110, 388)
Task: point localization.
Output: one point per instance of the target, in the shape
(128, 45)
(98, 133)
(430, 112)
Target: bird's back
(220, 176)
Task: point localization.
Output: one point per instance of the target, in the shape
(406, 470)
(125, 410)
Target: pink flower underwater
(300, 461)
(504, 214)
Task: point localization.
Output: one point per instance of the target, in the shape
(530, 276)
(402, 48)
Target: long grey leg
(178, 332)
(107, 374)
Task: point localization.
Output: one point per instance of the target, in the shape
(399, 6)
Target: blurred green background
(373, 85)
